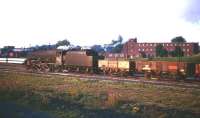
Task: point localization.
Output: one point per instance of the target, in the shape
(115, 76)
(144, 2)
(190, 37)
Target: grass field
(69, 97)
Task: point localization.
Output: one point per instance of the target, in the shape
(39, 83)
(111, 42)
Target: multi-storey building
(134, 49)
(114, 55)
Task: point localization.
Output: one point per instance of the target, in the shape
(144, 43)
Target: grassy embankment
(68, 97)
(189, 59)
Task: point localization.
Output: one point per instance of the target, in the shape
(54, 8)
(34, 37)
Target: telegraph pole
(7, 58)
(179, 60)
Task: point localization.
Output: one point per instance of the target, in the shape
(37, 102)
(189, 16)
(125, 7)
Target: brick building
(114, 55)
(134, 49)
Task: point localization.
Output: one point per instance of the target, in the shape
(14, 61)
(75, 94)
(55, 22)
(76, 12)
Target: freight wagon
(120, 67)
(168, 69)
(197, 72)
(161, 66)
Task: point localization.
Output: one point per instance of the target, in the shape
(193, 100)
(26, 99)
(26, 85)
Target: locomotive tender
(81, 60)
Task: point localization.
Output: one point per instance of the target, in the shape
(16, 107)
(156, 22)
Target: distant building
(114, 55)
(134, 49)
(20, 49)
(15, 52)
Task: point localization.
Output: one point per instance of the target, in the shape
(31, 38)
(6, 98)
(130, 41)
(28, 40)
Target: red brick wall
(132, 48)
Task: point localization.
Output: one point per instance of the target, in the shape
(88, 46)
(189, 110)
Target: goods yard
(87, 62)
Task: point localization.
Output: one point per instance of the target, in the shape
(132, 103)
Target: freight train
(88, 61)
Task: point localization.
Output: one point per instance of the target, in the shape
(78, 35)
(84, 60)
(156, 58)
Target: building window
(188, 50)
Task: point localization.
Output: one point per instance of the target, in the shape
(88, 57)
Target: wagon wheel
(57, 69)
(87, 70)
(77, 69)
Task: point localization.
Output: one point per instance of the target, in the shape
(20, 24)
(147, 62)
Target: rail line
(16, 68)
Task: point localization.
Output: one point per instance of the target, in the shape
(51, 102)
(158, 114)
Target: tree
(6, 49)
(160, 51)
(120, 39)
(118, 48)
(43, 47)
(64, 42)
(143, 54)
(177, 52)
(117, 45)
(98, 48)
(178, 39)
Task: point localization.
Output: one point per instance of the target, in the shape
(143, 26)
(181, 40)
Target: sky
(25, 23)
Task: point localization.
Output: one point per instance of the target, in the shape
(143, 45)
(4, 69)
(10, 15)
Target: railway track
(12, 67)
(17, 68)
